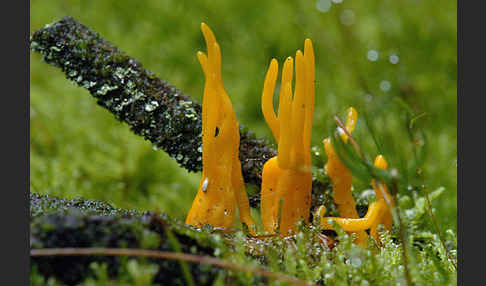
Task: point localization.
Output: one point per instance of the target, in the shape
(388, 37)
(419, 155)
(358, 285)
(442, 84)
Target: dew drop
(323, 5)
(368, 194)
(151, 106)
(372, 55)
(205, 184)
(347, 17)
(385, 85)
(356, 261)
(394, 59)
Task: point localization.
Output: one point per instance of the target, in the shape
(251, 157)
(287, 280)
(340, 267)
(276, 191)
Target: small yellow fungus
(221, 186)
(378, 212)
(287, 178)
(383, 194)
(341, 177)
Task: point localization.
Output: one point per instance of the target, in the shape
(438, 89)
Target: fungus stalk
(222, 186)
(379, 212)
(342, 179)
(287, 178)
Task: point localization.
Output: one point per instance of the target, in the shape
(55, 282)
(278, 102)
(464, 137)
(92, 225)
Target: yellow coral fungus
(378, 212)
(287, 178)
(383, 194)
(341, 177)
(221, 187)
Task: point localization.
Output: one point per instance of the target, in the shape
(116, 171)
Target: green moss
(81, 223)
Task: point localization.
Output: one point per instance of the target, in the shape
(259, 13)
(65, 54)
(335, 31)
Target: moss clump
(42, 204)
(58, 223)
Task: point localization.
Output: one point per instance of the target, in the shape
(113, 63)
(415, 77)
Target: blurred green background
(376, 55)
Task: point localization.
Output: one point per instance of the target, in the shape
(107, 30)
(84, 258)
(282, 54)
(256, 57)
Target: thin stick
(355, 145)
(402, 236)
(164, 255)
(429, 206)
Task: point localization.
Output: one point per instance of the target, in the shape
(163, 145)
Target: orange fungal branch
(341, 177)
(379, 212)
(221, 187)
(287, 178)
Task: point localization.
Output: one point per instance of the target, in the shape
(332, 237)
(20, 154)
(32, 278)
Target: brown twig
(434, 221)
(355, 145)
(396, 211)
(165, 255)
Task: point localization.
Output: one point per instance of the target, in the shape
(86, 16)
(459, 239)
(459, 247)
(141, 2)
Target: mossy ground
(78, 149)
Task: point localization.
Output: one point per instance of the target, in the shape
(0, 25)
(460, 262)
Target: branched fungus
(287, 178)
(222, 186)
(379, 212)
(341, 178)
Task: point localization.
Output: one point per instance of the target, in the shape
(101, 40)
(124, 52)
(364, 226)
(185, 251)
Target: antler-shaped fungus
(287, 178)
(222, 181)
(341, 177)
(378, 212)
